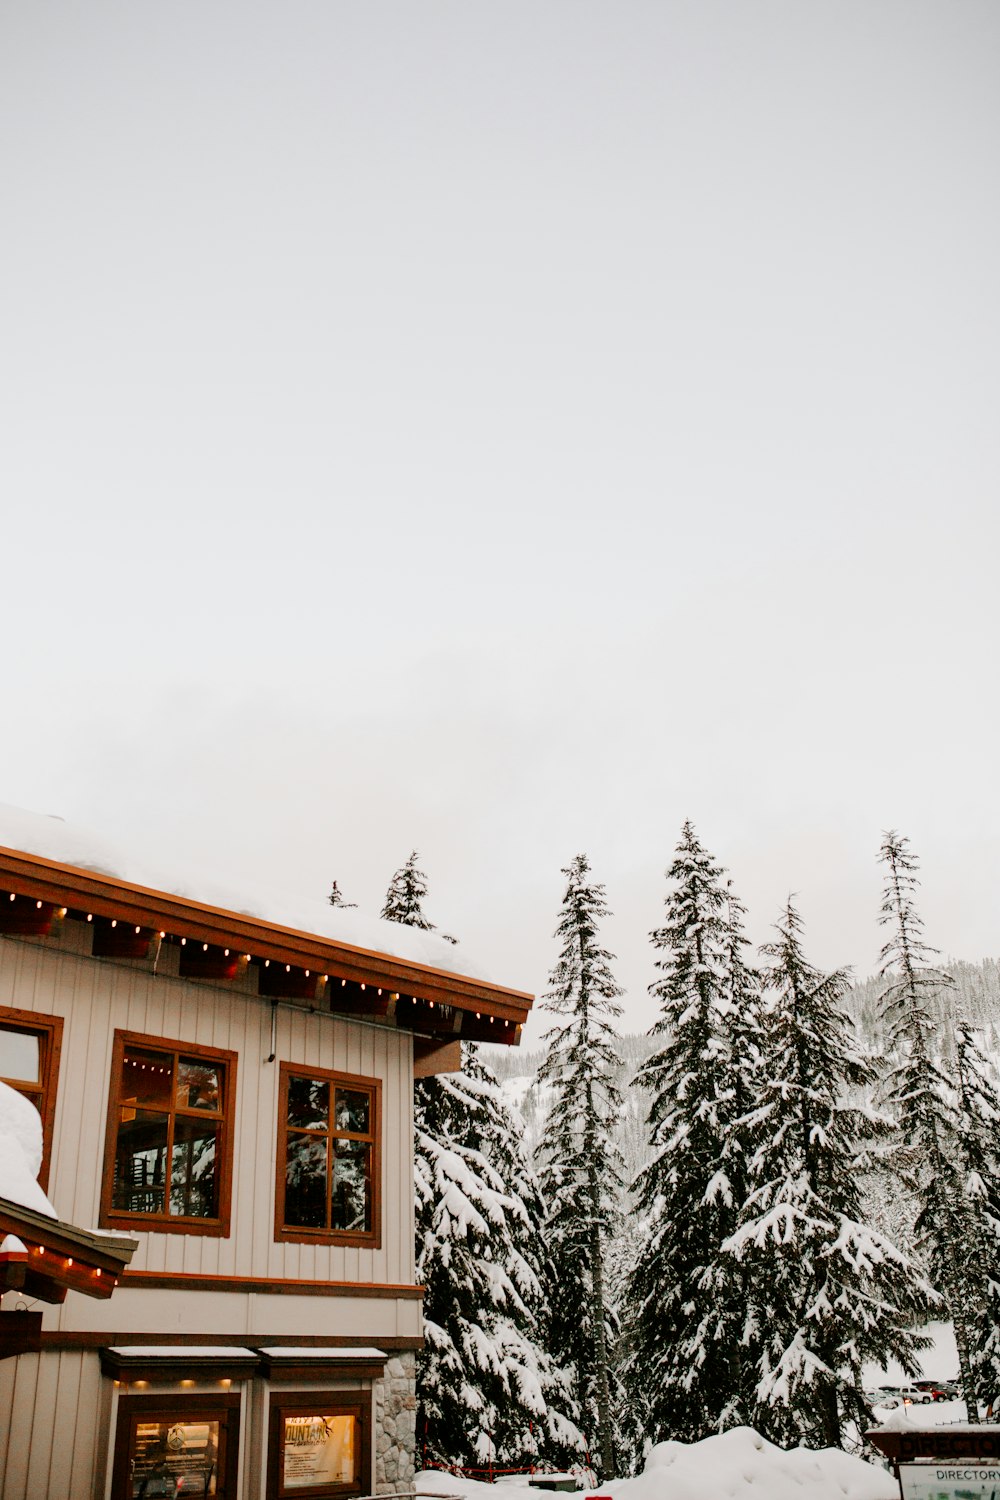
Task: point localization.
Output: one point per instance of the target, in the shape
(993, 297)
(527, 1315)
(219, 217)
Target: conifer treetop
(905, 957)
(404, 898)
(335, 898)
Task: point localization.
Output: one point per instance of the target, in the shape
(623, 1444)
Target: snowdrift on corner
(735, 1465)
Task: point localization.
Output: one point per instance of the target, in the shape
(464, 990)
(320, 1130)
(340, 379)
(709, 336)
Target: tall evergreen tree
(922, 1096)
(835, 1293)
(978, 1141)
(488, 1391)
(405, 896)
(687, 1296)
(581, 1169)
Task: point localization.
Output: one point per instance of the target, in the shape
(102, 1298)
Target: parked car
(912, 1395)
(936, 1389)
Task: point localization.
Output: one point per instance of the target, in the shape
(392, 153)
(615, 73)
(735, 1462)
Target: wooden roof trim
(60, 1257)
(71, 886)
(98, 1251)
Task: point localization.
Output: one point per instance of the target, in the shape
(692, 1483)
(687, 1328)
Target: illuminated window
(176, 1446)
(320, 1445)
(329, 1127)
(29, 1061)
(170, 1138)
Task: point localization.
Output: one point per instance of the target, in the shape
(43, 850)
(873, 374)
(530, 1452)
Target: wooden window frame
(355, 1403)
(49, 1030)
(298, 1234)
(224, 1408)
(165, 1223)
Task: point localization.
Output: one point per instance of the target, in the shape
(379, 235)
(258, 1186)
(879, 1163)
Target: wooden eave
(60, 1256)
(78, 889)
(949, 1444)
(129, 1365)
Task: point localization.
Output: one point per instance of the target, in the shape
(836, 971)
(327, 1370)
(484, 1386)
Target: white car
(911, 1395)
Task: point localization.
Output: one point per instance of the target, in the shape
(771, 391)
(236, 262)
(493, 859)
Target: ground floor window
(320, 1445)
(173, 1446)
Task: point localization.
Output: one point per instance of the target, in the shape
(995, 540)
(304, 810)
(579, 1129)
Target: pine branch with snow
(488, 1390)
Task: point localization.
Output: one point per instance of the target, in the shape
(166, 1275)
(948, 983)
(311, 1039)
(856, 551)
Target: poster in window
(318, 1450)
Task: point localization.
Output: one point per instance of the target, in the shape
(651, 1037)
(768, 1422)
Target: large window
(29, 1062)
(171, 1446)
(320, 1445)
(168, 1160)
(329, 1127)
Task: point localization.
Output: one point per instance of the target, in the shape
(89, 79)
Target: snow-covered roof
(52, 838)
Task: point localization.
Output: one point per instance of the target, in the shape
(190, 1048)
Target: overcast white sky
(507, 430)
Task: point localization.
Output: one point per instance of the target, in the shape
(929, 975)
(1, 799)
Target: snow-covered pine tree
(687, 1316)
(335, 898)
(405, 896)
(835, 1293)
(922, 1096)
(580, 1169)
(488, 1391)
(979, 1147)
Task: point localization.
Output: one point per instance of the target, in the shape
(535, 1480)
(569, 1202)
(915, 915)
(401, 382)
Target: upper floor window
(29, 1061)
(169, 1153)
(328, 1173)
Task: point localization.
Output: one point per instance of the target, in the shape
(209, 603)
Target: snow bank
(51, 837)
(738, 1463)
(21, 1152)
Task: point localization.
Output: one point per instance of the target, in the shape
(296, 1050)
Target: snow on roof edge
(51, 837)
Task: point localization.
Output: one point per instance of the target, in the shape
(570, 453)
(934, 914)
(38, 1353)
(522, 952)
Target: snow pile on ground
(738, 1464)
(51, 837)
(21, 1152)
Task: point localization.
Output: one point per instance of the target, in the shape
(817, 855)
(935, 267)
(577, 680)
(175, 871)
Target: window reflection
(174, 1459)
(169, 1134)
(329, 1147)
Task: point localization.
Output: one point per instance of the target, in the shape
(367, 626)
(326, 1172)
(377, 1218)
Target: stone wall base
(395, 1420)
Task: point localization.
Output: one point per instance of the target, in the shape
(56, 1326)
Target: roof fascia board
(68, 885)
(110, 1253)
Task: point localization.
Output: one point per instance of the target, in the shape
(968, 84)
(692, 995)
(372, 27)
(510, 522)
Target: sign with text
(950, 1481)
(318, 1450)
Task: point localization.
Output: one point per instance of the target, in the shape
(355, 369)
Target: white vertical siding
(95, 997)
(48, 1448)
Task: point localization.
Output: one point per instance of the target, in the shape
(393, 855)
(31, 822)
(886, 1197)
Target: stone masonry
(395, 1417)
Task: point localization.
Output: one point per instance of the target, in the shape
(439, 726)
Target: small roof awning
(44, 1258)
(57, 1257)
(281, 1363)
(179, 1362)
(132, 1362)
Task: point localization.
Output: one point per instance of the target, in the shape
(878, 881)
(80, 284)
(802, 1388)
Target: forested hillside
(976, 997)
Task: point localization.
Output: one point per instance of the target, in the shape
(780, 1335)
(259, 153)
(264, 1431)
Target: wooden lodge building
(232, 1098)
